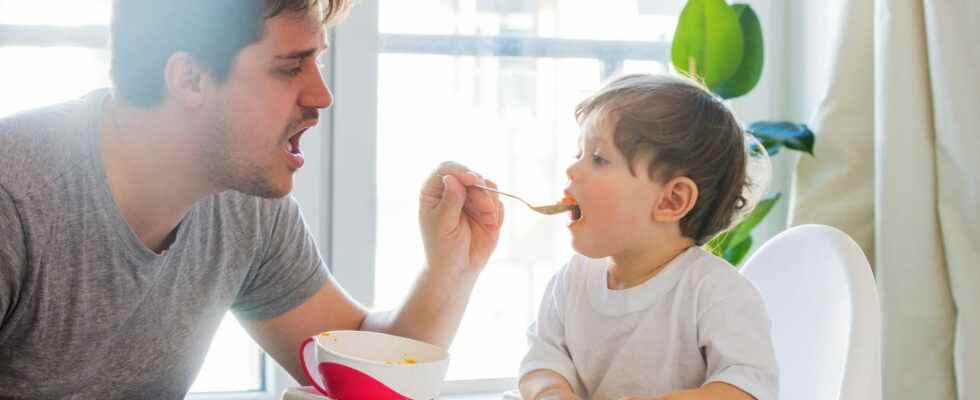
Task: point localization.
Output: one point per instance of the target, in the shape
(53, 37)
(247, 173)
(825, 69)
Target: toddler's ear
(676, 200)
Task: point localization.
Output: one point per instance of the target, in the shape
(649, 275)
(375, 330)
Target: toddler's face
(616, 207)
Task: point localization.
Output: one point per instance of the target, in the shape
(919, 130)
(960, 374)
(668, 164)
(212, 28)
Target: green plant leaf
(708, 34)
(718, 244)
(735, 254)
(773, 135)
(724, 244)
(750, 70)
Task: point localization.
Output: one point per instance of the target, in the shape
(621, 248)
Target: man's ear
(184, 79)
(677, 199)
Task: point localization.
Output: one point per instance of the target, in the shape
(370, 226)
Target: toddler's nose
(571, 173)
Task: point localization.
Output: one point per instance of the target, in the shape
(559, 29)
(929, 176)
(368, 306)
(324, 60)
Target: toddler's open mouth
(574, 212)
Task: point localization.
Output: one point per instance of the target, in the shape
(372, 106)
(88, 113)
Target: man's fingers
(479, 204)
(450, 203)
(497, 203)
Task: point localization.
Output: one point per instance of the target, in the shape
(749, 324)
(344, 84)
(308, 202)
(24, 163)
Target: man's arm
(460, 227)
(330, 308)
(433, 311)
(431, 314)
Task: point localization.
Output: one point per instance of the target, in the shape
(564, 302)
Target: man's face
(272, 96)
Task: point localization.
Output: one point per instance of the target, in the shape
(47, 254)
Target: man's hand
(460, 225)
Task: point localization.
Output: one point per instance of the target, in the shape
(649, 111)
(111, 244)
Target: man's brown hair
(685, 131)
(145, 33)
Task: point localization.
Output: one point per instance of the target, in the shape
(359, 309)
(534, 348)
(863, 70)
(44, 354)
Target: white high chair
(826, 322)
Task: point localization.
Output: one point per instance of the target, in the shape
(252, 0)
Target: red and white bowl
(355, 365)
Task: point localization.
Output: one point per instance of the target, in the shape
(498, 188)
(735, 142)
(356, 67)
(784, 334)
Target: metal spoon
(546, 210)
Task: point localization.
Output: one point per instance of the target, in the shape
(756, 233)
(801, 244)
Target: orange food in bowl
(349, 365)
(403, 361)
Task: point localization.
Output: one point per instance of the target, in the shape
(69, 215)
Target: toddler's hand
(556, 394)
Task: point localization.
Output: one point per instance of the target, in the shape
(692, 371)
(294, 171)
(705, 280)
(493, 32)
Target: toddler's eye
(577, 155)
(599, 160)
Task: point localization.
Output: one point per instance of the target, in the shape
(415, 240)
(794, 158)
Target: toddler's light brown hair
(686, 131)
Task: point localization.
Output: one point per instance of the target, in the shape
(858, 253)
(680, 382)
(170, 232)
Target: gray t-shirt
(87, 310)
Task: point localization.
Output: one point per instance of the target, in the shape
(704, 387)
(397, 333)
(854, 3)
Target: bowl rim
(443, 352)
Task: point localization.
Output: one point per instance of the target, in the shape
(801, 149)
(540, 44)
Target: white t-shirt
(697, 321)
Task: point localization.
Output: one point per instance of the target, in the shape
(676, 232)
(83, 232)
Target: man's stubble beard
(229, 167)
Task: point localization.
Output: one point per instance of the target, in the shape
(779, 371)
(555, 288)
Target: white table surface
(308, 393)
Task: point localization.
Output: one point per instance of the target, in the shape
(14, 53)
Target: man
(131, 220)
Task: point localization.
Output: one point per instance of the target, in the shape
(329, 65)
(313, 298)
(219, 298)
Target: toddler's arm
(547, 370)
(734, 335)
(545, 384)
(711, 391)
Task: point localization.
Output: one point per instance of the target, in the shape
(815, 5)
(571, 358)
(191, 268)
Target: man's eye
(291, 72)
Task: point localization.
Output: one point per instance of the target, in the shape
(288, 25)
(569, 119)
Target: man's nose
(317, 94)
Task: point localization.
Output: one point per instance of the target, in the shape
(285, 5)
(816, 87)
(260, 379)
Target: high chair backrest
(826, 322)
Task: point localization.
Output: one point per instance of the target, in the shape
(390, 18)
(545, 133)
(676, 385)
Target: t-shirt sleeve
(734, 335)
(13, 253)
(546, 336)
(290, 270)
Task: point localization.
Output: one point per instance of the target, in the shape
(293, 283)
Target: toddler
(643, 311)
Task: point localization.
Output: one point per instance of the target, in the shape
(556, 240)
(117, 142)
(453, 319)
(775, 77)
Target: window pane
(37, 76)
(644, 66)
(511, 118)
(234, 362)
(55, 12)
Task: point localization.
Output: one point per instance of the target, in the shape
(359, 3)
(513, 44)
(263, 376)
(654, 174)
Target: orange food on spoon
(576, 212)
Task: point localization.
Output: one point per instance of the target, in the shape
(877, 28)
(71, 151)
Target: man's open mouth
(292, 145)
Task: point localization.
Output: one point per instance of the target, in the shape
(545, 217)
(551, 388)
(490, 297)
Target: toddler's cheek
(602, 204)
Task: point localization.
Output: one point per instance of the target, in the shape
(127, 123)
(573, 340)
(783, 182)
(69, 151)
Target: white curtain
(896, 166)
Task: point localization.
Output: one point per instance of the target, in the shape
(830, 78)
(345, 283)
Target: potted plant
(721, 45)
